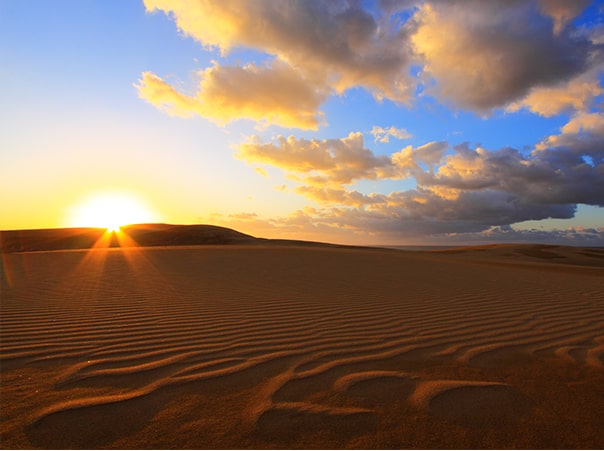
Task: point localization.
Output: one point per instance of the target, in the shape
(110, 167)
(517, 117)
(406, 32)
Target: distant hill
(180, 235)
(133, 235)
(140, 234)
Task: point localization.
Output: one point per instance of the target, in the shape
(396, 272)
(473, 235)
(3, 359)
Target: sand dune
(136, 234)
(255, 346)
(145, 235)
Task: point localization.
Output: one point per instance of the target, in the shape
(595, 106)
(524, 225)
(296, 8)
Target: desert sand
(293, 346)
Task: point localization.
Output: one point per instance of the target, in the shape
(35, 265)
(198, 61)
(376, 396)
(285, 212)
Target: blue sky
(392, 122)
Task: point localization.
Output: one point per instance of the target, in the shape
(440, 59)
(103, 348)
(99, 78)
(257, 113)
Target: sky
(391, 122)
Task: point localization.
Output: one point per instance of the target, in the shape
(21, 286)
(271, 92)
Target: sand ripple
(309, 338)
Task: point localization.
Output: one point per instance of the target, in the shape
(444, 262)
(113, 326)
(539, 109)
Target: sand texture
(277, 346)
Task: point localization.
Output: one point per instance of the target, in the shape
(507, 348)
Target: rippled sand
(302, 347)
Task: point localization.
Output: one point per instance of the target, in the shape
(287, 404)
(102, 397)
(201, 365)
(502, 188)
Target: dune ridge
(138, 235)
(297, 346)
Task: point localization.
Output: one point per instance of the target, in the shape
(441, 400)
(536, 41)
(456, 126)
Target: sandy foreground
(302, 347)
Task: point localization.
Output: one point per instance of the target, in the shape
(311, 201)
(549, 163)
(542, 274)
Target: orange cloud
(261, 171)
(333, 161)
(335, 196)
(578, 94)
(582, 135)
(459, 189)
(585, 122)
(214, 24)
(479, 55)
(332, 45)
(429, 154)
(274, 94)
(163, 96)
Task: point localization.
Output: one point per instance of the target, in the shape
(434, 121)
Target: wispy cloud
(562, 11)
(383, 135)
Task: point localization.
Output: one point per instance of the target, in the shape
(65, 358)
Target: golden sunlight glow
(111, 211)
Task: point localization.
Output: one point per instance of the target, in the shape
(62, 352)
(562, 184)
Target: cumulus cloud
(459, 189)
(551, 176)
(340, 196)
(410, 159)
(271, 93)
(383, 135)
(578, 94)
(474, 54)
(335, 43)
(580, 142)
(327, 161)
(483, 55)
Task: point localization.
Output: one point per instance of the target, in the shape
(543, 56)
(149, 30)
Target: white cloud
(383, 135)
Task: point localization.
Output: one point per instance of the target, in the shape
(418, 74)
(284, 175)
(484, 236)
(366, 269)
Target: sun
(111, 211)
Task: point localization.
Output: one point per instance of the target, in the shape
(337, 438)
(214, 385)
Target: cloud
(340, 196)
(339, 162)
(271, 93)
(550, 176)
(261, 171)
(163, 96)
(580, 142)
(577, 94)
(300, 224)
(562, 11)
(327, 161)
(578, 236)
(409, 159)
(474, 54)
(482, 55)
(362, 226)
(336, 44)
(383, 135)
(422, 211)
(460, 189)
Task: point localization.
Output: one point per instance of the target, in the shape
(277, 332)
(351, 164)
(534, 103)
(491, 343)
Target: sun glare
(111, 211)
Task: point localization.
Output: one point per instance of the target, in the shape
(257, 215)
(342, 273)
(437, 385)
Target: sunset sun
(111, 211)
